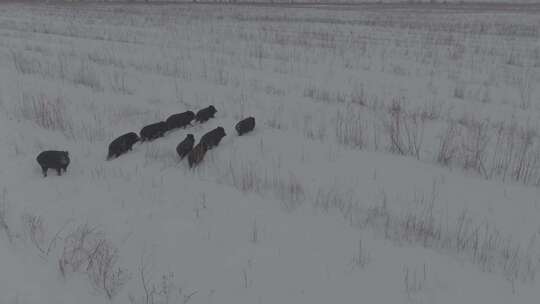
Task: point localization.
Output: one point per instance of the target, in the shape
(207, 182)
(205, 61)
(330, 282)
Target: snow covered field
(396, 157)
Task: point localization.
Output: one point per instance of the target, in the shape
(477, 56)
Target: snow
(319, 204)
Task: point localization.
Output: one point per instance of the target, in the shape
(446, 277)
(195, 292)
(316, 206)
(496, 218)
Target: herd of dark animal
(59, 160)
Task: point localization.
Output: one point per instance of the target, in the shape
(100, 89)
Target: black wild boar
(185, 146)
(213, 138)
(245, 125)
(197, 154)
(205, 114)
(180, 120)
(122, 144)
(153, 131)
(58, 160)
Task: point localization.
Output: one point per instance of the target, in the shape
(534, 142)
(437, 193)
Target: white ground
(396, 157)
